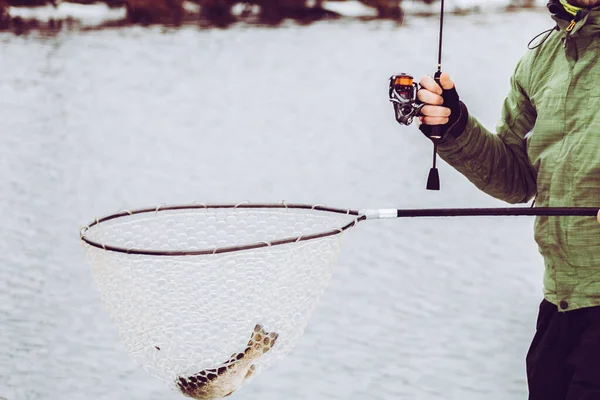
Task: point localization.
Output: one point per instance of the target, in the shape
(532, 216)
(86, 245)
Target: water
(104, 120)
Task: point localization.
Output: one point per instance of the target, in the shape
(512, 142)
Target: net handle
(482, 212)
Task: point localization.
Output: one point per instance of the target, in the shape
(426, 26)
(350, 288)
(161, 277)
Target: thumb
(446, 81)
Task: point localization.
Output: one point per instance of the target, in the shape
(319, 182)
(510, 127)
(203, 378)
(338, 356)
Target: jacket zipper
(574, 21)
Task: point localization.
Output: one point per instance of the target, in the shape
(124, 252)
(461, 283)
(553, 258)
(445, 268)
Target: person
(547, 149)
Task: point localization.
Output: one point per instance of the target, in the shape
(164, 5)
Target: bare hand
(431, 94)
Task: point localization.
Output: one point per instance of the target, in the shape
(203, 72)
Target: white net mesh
(205, 323)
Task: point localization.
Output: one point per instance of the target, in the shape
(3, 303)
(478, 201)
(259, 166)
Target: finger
(430, 84)
(428, 97)
(446, 82)
(435, 111)
(598, 216)
(434, 120)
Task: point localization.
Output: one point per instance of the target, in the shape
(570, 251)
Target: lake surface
(100, 121)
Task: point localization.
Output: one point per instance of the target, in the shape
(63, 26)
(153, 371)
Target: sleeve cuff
(459, 133)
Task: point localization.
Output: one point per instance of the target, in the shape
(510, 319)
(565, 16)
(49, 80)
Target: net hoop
(224, 249)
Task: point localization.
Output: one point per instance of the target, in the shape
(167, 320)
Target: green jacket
(547, 146)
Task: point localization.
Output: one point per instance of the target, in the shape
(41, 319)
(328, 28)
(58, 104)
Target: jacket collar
(558, 11)
(589, 23)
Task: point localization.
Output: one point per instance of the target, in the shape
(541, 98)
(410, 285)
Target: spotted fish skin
(216, 383)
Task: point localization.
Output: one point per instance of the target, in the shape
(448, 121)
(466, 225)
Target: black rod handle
(436, 130)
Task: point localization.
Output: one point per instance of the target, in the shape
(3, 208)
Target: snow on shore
(95, 14)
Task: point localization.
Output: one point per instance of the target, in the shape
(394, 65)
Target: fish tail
(261, 339)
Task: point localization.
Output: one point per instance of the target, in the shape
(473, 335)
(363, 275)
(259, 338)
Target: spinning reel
(403, 96)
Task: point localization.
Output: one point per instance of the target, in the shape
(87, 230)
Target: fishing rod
(403, 95)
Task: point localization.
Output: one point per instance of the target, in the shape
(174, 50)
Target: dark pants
(563, 362)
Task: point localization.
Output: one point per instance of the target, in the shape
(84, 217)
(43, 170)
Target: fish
(222, 381)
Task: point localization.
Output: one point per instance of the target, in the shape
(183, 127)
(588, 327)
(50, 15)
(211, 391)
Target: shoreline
(80, 16)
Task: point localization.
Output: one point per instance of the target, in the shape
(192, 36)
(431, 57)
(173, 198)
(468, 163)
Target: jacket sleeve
(496, 163)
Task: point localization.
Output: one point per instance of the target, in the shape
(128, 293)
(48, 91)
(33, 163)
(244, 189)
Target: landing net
(206, 297)
(192, 288)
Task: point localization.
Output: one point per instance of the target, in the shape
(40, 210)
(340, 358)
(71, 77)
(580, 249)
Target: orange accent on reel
(404, 80)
